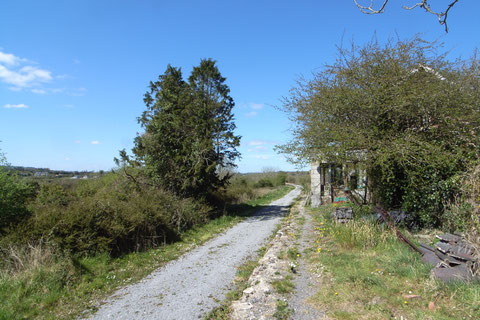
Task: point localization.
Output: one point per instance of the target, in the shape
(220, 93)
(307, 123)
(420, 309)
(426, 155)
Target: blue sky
(73, 73)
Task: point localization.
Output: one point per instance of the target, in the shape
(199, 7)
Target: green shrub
(240, 189)
(421, 188)
(14, 197)
(280, 178)
(111, 214)
(264, 183)
(52, 194)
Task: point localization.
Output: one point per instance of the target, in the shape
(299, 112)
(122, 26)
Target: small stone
(249, 290)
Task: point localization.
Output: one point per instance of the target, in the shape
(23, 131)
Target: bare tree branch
(442, 16)
(369, 9)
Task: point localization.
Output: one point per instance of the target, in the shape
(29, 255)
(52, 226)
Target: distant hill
(46, 172)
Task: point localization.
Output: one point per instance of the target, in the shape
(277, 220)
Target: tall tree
(188, 131)
(410, 114)
(212, 109)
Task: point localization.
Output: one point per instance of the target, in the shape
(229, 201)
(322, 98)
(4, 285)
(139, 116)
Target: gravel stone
(306, 284)
(193, 285)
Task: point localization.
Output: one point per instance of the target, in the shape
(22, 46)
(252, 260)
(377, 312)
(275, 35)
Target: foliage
(264, 183)
(406, 111)
(464, 213)
(43, 281)
(189, 134)
(110, 214)
(384, 275)
(271, 179)
(14, 197)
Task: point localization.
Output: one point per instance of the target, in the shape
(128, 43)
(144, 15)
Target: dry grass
(368, 274)
(18, 259)
(40, 282)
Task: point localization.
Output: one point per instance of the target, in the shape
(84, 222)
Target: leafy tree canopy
(402, 108)
(189, 131)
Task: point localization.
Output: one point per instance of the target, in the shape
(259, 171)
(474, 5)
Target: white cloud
(262, 157)
(39, 91)
(256, 106)
(24, 77)
(251, 114)
(257, 142)
(57, 90)
(77, 141)
(9, 59)
(258, 148)
(95, 142)
(15, 106)
(20, 74)
(78, 92)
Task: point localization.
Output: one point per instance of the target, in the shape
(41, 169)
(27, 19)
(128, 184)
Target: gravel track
(305, 281)
(194, 284)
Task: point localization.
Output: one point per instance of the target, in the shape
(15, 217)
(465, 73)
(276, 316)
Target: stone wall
(315, 181)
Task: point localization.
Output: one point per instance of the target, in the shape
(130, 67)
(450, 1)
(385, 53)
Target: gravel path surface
(194, 284)
(305, 281)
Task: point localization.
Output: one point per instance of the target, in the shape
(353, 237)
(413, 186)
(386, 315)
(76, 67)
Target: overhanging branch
(442, 16)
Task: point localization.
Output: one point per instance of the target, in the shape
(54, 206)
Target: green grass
(63, 286)
(284, 286)
(283, 312)
(271, 196)
(367, 273)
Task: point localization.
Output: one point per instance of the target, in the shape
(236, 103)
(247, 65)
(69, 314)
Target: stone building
(329, 181)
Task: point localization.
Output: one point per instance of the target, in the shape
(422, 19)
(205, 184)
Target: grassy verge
(369, 274)
(58, 286)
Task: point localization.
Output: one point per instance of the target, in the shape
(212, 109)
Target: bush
(264, 183)
(14, 197)
(422, 187)
(402, 110)
(111, 214)
(240, 189)
(280, 178)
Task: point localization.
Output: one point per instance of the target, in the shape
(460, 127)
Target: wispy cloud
(78, 92)
(39, 91)
(77, 141)
(12, 73)
(256, 106)
(262, 157)
(15, 106)
(9, 59)
(257, 142)
(95, 142)
(257, 148)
